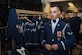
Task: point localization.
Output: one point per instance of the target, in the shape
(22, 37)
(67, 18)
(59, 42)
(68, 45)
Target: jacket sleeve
(42, 37)
(69, 39)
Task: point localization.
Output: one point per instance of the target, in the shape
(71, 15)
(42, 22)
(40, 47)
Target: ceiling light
(71, 4)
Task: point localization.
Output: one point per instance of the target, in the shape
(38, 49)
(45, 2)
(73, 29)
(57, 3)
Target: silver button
(52, 39)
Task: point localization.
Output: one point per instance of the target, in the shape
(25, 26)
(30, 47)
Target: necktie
(54, 21)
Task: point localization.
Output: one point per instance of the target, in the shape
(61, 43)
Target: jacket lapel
(50, 28)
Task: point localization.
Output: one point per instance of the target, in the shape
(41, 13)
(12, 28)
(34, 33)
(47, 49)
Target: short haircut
(56, 5)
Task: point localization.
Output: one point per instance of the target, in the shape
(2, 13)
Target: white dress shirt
(53, 25)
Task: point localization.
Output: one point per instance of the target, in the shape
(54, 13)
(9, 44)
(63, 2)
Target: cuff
(43, 42)
(61, 46)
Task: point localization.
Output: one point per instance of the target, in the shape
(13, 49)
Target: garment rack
(21, 12)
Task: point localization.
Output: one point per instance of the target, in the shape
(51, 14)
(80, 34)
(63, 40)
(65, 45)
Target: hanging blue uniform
(20, 41)
(64, 40)
(15, 29)
(39, 22)
(31, 37)
(20, 36)
(20, 28)
(12, 19)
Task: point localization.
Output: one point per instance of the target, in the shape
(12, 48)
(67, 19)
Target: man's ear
(59, 12)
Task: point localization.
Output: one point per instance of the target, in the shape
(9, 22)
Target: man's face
(74, 14)
(63, 13)
(54, 12)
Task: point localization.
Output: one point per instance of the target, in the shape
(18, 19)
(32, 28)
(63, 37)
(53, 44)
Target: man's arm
(68, 42)
(43, 40)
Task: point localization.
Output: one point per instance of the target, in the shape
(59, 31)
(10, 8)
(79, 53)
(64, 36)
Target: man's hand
(48, 47)
(54, 47)
(79, 46)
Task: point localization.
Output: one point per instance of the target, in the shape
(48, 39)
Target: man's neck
(55, 19)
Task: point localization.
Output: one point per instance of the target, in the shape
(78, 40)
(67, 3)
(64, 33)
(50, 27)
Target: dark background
(34, 5)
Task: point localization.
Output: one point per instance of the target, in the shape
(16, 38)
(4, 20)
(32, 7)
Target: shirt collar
(56, 20)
